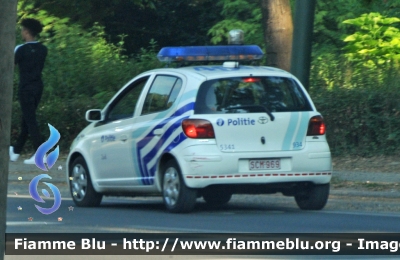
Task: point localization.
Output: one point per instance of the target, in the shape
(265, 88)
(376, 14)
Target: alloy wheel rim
(171, 186)
(79, 182)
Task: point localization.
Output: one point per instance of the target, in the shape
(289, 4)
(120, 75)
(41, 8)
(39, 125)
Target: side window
(124, 106)
(162, 94)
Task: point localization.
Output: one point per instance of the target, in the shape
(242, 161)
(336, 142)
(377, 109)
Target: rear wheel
(313, 197)
(178, 198)
(81, 187)
(216, 197)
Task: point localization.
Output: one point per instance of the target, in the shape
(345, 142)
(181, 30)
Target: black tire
(314, 197)
(81, 186)
(178, 198)
(216, 197)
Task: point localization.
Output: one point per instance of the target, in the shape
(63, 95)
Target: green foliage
(376, 41)
(82, 71)
(357, 92)
(360, 106)
(86, 12)
(239, 14)
(328, 26)
(170, 23)
(329, 17)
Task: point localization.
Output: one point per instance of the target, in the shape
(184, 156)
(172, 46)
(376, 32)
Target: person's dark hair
(32, 25)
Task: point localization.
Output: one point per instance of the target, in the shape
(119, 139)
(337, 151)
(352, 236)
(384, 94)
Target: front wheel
(81, 187)
(313, 197)
(178, 198)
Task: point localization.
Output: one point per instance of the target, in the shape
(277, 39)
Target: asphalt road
(346, 211)
(118, 215)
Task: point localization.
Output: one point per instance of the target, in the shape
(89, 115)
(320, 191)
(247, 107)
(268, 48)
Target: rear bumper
(196, 181)
(204, 165)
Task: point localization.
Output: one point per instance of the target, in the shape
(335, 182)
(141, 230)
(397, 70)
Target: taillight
(198, 128)
(316, 126)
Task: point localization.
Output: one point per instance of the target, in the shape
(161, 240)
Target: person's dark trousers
(29, 101)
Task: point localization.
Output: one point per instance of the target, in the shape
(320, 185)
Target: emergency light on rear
(211, 53)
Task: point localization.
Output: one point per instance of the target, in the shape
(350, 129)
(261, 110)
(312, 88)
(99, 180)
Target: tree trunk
(278, 32)
(303, 34)
(8, 16)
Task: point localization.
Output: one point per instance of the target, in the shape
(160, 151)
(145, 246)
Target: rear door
(157, 127)
(251, 114)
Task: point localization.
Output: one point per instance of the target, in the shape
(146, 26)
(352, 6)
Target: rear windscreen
(250, 95)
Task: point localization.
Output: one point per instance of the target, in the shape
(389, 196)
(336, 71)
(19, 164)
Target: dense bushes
(359, 121)
(361, 104)
(362, 114)
(82, 71)
(358, 91)
(73, 86)
(361, 107)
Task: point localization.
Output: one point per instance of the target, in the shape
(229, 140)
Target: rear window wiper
(271, 116)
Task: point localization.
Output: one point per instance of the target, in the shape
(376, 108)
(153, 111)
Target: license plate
(264, 164)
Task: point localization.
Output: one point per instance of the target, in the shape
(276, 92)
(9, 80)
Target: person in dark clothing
(30, 58)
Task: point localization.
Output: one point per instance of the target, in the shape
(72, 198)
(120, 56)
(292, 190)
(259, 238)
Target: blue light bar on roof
(210, 53)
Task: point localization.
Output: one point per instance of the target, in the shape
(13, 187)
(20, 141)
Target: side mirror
(94, 115)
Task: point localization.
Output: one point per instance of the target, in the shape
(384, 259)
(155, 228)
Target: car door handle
(158, 132)
(123, 138)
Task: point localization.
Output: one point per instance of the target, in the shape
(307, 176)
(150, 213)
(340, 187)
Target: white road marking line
(28, 223)
(29, 197)
(153, 229)
(372, 214)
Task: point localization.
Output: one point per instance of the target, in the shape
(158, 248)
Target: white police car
(204, 131)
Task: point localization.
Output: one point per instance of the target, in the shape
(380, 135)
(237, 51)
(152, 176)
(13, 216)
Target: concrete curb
(372, 177)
